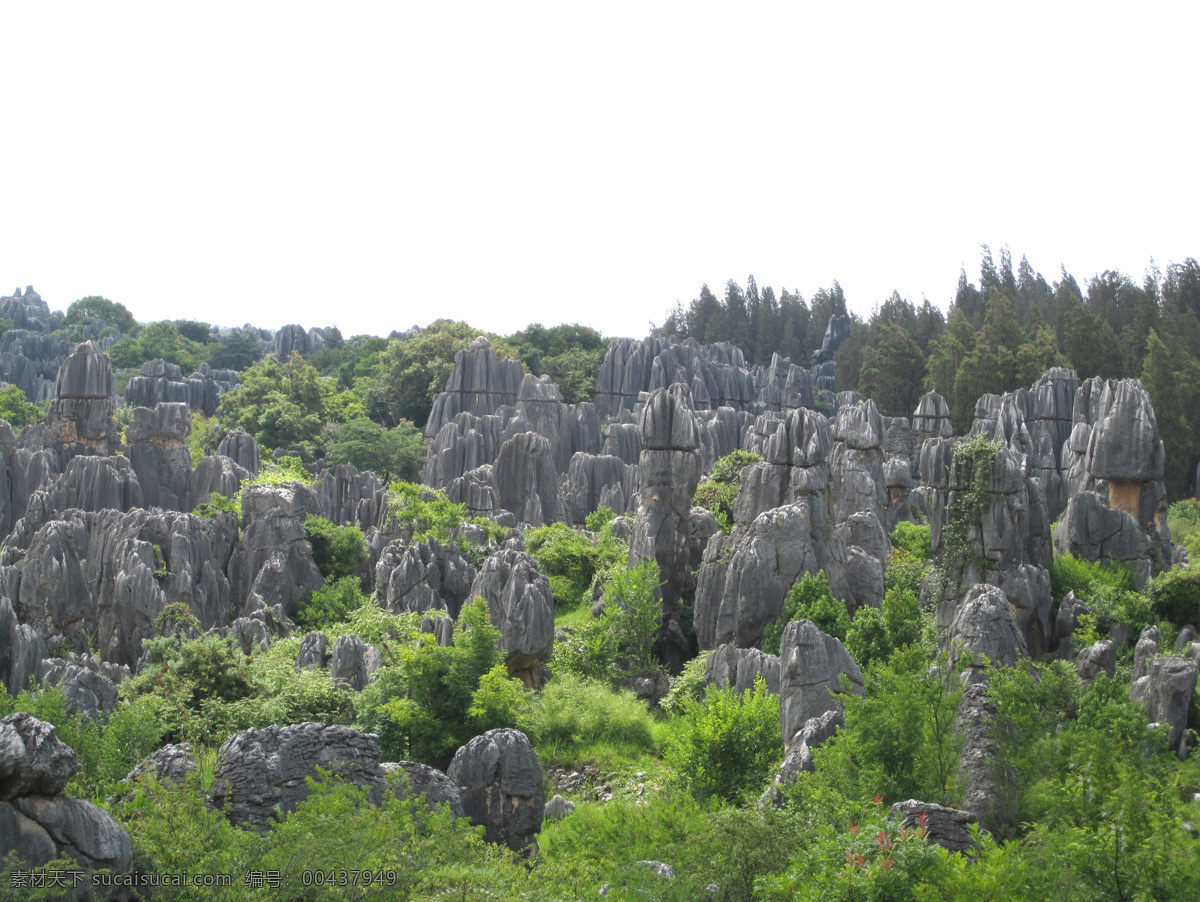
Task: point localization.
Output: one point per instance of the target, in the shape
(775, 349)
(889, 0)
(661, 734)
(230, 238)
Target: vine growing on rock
(974, 460)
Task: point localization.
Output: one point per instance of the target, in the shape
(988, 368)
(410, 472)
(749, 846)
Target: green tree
(94, 307)
(15, 409)
(1161, 383)
(893, 371)
(397, 453)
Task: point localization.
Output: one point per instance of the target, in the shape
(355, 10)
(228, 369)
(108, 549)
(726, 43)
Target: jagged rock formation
(812, 664)
(1095, 659)
(272, 563)
(433, 786)
(670, 470)
(261, 772)
(314, 651)
(479, 384)
(169, 764)
(39, 824)
(353, 662)
(799, 759)
(986, 790)
(500, 780)
(598, 480)
(160, 382)
(737, 668)
(89, 685)
(526, 480)
(21, 650)
(104, 576)
(159, 454)
(983, 631)
(522, 608)
(427, 576)
(240, 447)
(1165, 685)
(1115, 455)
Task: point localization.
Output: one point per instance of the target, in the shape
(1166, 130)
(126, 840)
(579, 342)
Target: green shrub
(338, 551)
(1071, 574)
(904, 571)
(568, 558)
(902, 611)
(687, 686)
(913, 539)
(718, 493)
(633, 612)
(729, 744)
(1175, 595)
(498, 701)
(599, 518)
(217, 503)
(1183, 519)
(332, 603)
(573, 712)
(810, 599)
(867, 640)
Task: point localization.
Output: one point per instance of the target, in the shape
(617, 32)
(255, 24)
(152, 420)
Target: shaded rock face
(354, 662)
(526, 480)
(88, 685)
(479, 384)
(36, 822)
(427, 576)
(670, 471)
(159, 454)
(272, 563)
(816, 732)
(945, 827)
(984, 632)
(214, 474)
(1165, 686)
(730, 667)
(464, 443)
(103, 577)
(21, 650)
(1115, 452)
(811, 666)
(349, 497)
(169, 764)
(161, 382)
(1096, 659)
(1091, 530)
(983, 785)
(261, 772)
(499, 778)
(931, 419)
(240, 447)
(93, 484)
(521, 605)
(412, 779)
(595, 481)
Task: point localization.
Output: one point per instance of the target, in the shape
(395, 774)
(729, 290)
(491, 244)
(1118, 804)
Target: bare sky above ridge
(379, 165)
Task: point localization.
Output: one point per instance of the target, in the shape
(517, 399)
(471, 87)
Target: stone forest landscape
(777, 602)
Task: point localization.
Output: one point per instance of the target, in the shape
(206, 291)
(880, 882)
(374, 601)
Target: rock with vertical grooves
(527, 480)
(811, 667)
(411, 779)
(730, 667)
(427, 576)
(499, 778)
(21, 650)
(521, 605)
(1095, 659)
(273, 562)
(240, 447)
(984, 782)
(354, 662)
(984, 632)
(479, 384)
(159, 453)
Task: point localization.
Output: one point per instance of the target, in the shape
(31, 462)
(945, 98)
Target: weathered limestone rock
(33, 760)
(462, 445)
(427, 576)
(80, 420)
(103, 577)
(521, 604)
(798, 760)
(931, 419)
(811, 666)
(169, 764)
(214, 474)
(984, 787)
(984, 632)
(500, 780)
(354, 662)
(594, 481)
(75, 828)
(1096, 658)
(738, 668)
(159, 453)
(425, 781)
(273, 563)
(21, 650)
(558, 807)
(669, 470)
(240, 447)
(261, 772)
(314, 651)
(1166, 690)
(92, 483)
(479, 384)
(349, 497)
(945, 827)
(88, 685)
(527, 480)
(1065, 624)
(1091, 530)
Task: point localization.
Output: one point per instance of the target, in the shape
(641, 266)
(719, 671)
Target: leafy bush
(1071, 574)
(904, 571)
(718, 492)
(338, 551)
(599, 518)
(687, 686)
(1175, 595)
(568, 558)
(1183, 519)
(868, 640)
(633, 612)
(913, 539)
(902, 612)
(810, 599)
(729, 743)
(573, 712)
(332, 603)
(423, 513)
(217, 503)
(16, 409)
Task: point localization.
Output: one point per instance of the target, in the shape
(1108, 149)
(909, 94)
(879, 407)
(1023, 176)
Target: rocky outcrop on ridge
(426, 576)
(479, 384)
(272, 562)
(159, 382)
(521, 605)
(89, 685)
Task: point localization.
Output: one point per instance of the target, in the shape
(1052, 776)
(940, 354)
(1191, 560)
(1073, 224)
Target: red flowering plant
(882, 859)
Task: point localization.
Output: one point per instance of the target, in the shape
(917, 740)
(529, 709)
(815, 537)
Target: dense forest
(550, 615)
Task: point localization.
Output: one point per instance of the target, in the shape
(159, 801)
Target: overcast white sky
(376, 166)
